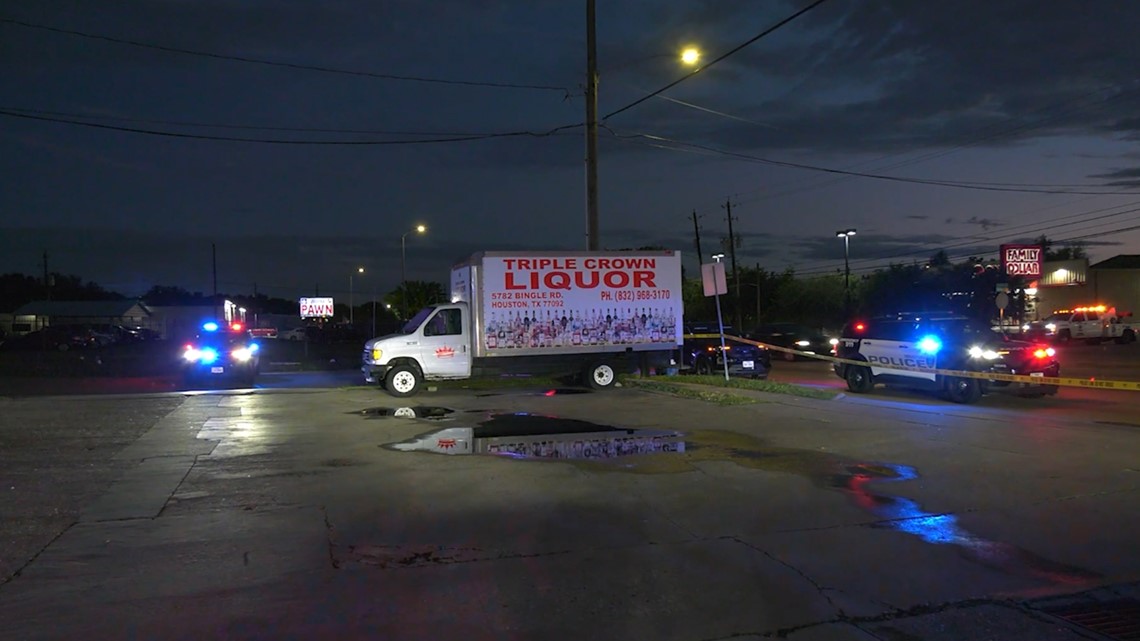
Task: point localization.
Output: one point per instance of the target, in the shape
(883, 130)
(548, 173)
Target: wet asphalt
(274, 514)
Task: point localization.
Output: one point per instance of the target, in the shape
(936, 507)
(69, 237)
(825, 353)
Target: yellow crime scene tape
(1013, 378)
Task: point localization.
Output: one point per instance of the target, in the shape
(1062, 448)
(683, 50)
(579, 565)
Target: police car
(940, 341)
(221, 352)
(704, 355)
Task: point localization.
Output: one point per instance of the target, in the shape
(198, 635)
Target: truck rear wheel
(402, 381)
(600, 375)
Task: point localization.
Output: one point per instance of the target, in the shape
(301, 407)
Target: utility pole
(47, 278)
(735, 273)
(591, 130)
(697, 235)
(214, 254)
(759, 281)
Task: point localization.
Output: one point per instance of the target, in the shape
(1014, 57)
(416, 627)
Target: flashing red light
(860, 327)
(550, 392)
(236, 327)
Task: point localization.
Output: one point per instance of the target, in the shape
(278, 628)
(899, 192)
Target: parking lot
(287, 514)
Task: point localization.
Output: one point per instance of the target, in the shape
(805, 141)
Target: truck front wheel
(402, 381)
(601, 375)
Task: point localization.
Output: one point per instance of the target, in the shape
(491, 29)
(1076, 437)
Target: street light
(359, 270)
(419, 229)
(691, 56)
(846, 236)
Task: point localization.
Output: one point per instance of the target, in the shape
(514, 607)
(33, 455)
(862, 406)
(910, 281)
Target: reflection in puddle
(907, 516)
(419, 411)
(596, 445)
(523, 435)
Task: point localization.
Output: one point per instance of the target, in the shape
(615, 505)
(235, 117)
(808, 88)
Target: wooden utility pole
(697, 236)
(735, 273)
(592, 240)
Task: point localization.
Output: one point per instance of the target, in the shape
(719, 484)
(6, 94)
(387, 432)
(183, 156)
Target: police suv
(891, 346)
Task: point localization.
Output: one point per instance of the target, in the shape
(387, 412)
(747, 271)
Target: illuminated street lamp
(419, 229)
(691, 56)
(846, 236)
(359, 270)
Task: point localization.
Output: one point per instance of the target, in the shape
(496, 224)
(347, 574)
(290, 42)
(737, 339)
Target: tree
(1072, 251)
(419, 294)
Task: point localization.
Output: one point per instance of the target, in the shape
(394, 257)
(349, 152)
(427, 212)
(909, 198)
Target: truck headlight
(377, 353)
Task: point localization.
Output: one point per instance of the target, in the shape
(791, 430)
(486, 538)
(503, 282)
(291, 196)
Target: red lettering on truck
(591, 279)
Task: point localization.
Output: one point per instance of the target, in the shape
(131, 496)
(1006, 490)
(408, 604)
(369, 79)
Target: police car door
(896, 343)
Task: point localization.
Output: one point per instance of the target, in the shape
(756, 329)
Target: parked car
(704, 356)
(54, 337)
(793, 336)
(306, 333)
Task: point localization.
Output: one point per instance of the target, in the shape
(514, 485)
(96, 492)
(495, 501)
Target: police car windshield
(962, 328)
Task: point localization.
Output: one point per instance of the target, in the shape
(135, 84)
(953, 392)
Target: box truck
(591, 314)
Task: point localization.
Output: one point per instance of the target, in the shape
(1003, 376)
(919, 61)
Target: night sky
(971, 123)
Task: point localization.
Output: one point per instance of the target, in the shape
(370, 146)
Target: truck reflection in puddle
(419, 411)
(523, 435)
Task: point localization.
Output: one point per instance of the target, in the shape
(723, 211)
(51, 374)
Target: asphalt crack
(20, 570)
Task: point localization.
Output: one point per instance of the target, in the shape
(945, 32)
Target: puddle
(565, 391)
(907, 516)
(420, 411)
(523, 435)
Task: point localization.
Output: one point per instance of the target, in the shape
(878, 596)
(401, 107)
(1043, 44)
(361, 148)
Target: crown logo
(444, 352)
(446, 443)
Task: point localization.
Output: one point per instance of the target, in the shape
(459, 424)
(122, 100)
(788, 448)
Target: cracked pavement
(280, 515)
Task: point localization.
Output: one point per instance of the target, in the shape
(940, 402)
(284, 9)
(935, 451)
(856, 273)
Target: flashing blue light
(208, 355)
(929, 344)
(253, 347)
(210, 326)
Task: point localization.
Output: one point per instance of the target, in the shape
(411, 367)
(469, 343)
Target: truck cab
(435, 344)
(1087, 323)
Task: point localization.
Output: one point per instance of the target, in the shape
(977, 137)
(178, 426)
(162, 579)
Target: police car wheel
(703, 367)
(859, 379)
(963, 390)
(402, 381)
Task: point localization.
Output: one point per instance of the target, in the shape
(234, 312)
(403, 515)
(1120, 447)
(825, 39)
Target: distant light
(210, 326)
(690, 56)
(236, 327)
(1032, 291)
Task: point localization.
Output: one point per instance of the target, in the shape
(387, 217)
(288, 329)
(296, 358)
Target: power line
(722, 57)
(1007, 233)
(288, 65)
(916, 253)
(186, 123)
(273, 141)
(981, 186)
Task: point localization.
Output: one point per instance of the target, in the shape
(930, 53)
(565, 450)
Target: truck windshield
(412, 325)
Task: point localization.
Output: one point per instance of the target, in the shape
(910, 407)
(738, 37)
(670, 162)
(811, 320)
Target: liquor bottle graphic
(492, 334)
(575, 330)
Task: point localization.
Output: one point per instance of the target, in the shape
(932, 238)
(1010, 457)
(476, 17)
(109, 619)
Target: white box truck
(539, 313)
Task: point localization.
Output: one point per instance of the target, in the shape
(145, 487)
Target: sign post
(715, 284)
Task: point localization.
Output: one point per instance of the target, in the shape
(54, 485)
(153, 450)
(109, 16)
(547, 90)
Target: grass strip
(772, 387)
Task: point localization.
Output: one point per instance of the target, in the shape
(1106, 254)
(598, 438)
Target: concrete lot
(279, 514)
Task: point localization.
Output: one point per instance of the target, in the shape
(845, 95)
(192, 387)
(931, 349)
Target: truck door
(1079, 325)
(445, 349)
